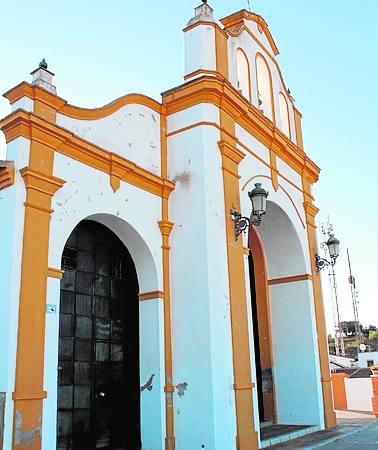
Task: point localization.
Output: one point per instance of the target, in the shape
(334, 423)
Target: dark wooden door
(98, 369)
(256, 337)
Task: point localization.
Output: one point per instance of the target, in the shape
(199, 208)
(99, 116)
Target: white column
(152, 373)
(49, 421)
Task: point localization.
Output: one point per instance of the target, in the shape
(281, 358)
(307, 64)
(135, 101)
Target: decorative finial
(43, 64)
(203, 13)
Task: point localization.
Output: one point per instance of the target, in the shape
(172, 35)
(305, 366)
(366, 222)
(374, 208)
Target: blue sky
(103, 50)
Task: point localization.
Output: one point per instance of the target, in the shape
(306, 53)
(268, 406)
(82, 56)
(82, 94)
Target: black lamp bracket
(320, 262)
(242, 223)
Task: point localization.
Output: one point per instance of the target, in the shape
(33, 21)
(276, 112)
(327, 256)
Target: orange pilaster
(247, 437)
(165, 228)
(311, 211)
(29, 394)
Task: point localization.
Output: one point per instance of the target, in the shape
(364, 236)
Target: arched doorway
(261, 327)
(284, 324)
(98, 360)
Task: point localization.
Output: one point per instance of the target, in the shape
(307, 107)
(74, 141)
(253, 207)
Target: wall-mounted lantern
(333, 245)
(258, 199)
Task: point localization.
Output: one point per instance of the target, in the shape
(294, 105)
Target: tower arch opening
(284, 327)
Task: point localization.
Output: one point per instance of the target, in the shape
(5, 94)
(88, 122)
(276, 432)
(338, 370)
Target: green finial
(43, 64)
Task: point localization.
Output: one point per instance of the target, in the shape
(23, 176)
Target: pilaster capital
(37, 181)
(231, 152)
(165, 227)
(310, 209)
(6, 174)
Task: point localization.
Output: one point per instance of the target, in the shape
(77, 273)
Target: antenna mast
(327, 230)
(354, 293)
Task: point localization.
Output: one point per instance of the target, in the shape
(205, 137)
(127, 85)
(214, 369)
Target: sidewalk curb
(341, 436)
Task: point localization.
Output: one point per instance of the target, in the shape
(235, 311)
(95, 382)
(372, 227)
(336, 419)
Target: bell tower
(205, 45)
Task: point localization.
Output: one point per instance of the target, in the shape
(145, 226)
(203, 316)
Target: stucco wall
(133, 132)
(359, 392)
(202, 358)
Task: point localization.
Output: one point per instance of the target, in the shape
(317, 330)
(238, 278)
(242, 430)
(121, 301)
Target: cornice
(61, 106)
(6, 174)
(237, 21)
(221, 93)
(30, 126)
(207, 23)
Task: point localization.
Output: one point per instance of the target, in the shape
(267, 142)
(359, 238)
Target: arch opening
(98, 356)
(264, 87)
(243, 74)
(284, 114)
(284, 327)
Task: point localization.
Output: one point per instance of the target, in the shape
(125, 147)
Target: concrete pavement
(355, 431)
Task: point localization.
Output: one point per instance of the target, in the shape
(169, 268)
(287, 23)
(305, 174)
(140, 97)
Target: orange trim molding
(237, 20)
(29, 395)
(28, 125)
(151, 295)
(216, 91)
(290, 279)
(7, 173)
(200, 72)
(62, 107)
(52, 272)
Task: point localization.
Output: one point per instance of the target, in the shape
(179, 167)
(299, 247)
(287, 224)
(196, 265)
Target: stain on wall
(181, 388)
(26, 437)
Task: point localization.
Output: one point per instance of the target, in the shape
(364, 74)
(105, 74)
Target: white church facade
(133, 317)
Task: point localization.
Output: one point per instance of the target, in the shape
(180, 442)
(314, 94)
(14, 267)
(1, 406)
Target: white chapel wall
(201, 331)
(133, 132)
(132, 214)
(251, 49)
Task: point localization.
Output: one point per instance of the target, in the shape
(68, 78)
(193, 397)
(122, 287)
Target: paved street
(355, 431)
(364, 439)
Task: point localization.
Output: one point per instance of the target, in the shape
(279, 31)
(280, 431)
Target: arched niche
(264, 87)
(243, 74)
(284, 114)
